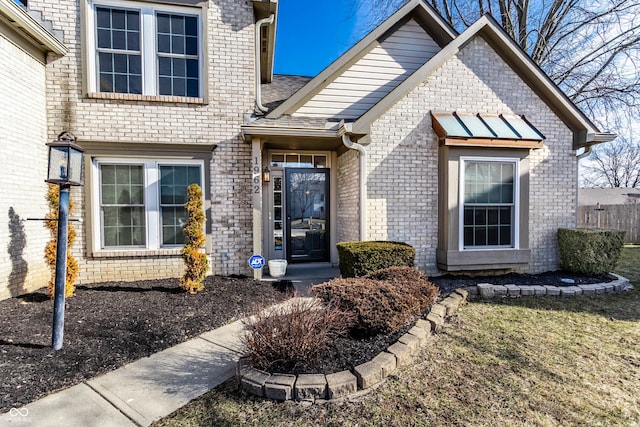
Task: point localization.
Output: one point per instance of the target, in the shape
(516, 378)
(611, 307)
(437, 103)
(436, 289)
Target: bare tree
(613, 165)
(591, 49)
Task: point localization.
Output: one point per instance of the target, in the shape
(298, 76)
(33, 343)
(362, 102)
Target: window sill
(145, 98)
(135, 253)
(483, 259)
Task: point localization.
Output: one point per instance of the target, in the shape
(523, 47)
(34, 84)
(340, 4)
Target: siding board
(372, 77)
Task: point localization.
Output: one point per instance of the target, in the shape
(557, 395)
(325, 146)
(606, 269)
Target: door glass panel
(307, 203)
(277, 214)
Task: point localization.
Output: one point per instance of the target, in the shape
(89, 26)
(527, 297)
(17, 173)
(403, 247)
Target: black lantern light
(266, 174)
(65, 161)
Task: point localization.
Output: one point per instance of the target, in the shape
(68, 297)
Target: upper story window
(147, 49)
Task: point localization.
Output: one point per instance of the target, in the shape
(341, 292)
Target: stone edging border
(487, 290)
(322, 388)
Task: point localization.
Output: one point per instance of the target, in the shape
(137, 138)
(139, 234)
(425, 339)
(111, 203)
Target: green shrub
(194, 258)
(381, 306)
(589, 251)
(357, 259)
(279, 339)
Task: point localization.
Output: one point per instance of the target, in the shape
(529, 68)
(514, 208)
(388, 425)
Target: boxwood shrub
(361, 258)
(588, 250)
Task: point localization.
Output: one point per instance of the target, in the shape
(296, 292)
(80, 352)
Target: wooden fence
(622, 217)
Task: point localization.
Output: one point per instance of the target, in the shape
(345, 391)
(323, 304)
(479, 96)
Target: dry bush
(412, 281)
(296, 332)
(380, 307)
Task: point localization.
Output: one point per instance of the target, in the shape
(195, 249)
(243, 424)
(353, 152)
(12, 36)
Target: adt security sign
(256, 262)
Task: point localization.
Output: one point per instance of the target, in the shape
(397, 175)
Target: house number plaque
(256, 176)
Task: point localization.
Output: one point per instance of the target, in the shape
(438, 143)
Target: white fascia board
(21, 19)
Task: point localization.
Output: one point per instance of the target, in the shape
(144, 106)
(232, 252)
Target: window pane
(121, 83)
(164, 23)
(191, 25)
(120, 63)
(133, 41)
(164, 43)
(191, 46)
(106, 82)
(118, 19)
(192, 68)
(164, 66)
(133, 21)
(179, 87)
(165, 86)
(119, 40)
(179, 67)
(104, 39)
(320, 161)
(103, 17)
(177, 45)
(192, 88)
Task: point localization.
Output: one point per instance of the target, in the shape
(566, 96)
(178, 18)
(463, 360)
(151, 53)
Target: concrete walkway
(143, 391)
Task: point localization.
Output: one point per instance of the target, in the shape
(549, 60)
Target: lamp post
(65, 169)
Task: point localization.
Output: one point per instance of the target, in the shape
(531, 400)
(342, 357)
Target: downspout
(346, 140)
(259, 25)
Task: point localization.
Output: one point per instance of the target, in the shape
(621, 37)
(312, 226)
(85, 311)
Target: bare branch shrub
(280, 338)
(412, 281)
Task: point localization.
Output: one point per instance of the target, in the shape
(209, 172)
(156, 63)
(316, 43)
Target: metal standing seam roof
(501, 126)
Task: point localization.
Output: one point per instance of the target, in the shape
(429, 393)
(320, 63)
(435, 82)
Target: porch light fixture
(65, 169)
(65, 161)
(266, 175)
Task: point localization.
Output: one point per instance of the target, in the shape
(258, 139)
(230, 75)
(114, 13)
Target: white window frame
(148, 42)
(151, 169)
(515, 226)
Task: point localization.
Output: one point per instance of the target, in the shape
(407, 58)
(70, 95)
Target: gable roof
(423, 14)
(585, 132)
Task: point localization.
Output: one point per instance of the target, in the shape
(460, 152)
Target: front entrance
(298, 209)
(307, 225)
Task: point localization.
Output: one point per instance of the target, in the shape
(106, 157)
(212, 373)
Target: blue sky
(313, 33)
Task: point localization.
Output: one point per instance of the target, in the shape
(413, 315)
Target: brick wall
(23, 156)
(403, 206)
(230, 93)
(348, 197)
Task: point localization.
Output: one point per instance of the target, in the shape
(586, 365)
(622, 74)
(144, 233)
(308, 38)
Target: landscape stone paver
(368, 374)
(252, 381)
(402, 352)
(387, 362)
(513, 290)
(421, 334)
(280, 386)
(439, 309)
(311, 387)
(341, 384)
(410, 341)
(486, 290)
(539, 290)
(552, 290)
(436, 321)
(424, 325)
(500, 290)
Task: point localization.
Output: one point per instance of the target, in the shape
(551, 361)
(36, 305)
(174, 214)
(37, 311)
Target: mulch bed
(108, 325)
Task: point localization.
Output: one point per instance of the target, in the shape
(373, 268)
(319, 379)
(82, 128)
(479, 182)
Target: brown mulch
(108, 325)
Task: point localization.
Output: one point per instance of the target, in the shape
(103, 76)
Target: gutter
(346, 140)
(19, 18)
(259, 24)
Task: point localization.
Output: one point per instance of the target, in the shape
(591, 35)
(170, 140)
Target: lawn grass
(526, 361)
